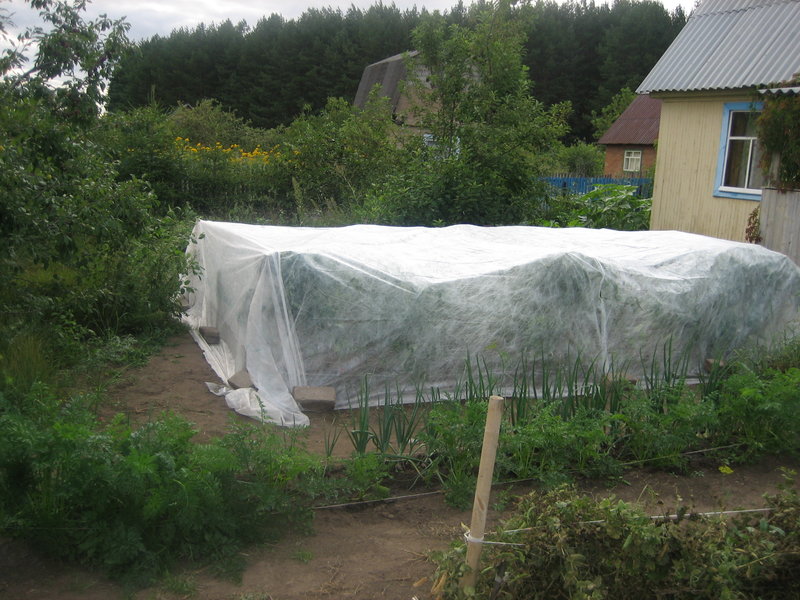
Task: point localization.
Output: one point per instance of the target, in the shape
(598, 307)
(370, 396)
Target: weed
(365, 474)
(180, 585)
(304, 556)
(611, 549)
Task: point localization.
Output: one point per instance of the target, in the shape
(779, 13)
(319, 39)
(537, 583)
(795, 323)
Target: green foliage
(82, 254)
(488, 134)
(133, 501)
(551, 449)
(364, 475)
(657, 431)
(603, 120)
(208, 123)
(142, 145)
(760, 411)
(335, 156)
(266, 73)
(574, 420)
(81, 53)
(778, 133)
(581, 160)
(609, 206)
(570, 546)
(452, 439)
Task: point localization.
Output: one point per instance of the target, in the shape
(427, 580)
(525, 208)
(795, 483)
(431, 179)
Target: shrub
(778, 134)
(133, 501)
(760, 412)
(581, 160)
(608, 206)
(570, 546)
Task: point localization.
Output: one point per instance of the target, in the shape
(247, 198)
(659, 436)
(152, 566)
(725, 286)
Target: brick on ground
(315, 398)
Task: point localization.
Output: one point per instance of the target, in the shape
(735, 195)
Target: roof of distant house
(638, 124)
(388, 72)
(731, 44)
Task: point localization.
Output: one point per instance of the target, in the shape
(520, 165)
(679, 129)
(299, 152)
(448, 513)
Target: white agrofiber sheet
(408, 306)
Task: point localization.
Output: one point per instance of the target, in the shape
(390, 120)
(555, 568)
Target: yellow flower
(725, 470)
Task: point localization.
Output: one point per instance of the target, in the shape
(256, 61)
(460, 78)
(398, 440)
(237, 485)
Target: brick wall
(615, 156)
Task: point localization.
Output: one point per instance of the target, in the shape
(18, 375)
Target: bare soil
(377, 551)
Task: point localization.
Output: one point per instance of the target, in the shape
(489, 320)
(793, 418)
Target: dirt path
(368, 552)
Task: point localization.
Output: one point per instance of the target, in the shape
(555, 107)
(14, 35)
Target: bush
(581, 160)
(142, 144)
(607, 206)
(133, 501)
(568, 546)
(760, 412)
(335, 156)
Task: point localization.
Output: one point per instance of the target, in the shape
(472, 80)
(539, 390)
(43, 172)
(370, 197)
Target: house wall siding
(686, 165)
(615, 156)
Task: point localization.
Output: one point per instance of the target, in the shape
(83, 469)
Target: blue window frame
(738, 173)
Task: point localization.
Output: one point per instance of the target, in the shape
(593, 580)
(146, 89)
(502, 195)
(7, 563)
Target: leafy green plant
(452, 439)
(564, 545)
(603, 120)
(778, 133)
(407, 423)
(614, 207)
(760, 412)
(581, 160)
(365, 475)
(135, 500)
(660, 436)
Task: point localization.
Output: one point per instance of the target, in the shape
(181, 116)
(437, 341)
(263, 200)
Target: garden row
(133, 500)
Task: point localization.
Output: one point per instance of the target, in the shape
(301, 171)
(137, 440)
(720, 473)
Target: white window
(632, 161)
(738, 173)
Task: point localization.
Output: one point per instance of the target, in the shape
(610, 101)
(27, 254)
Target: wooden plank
(483, 488)
(780, 222)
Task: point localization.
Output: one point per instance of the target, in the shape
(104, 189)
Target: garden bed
(363, 551)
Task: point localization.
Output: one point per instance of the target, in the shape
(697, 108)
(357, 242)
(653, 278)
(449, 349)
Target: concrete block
(210, 334)
(240, 380)
(315, 399)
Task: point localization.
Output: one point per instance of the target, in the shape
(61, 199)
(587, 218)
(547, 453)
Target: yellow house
(707, 177)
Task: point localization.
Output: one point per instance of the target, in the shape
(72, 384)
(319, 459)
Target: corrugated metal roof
(731, 44)
(638, 124)
(388, 72)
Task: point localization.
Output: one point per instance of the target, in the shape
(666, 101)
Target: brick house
(630, 141)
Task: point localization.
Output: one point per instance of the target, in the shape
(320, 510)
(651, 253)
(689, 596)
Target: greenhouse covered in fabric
(409, 307)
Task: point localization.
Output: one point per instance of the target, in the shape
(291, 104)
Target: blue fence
(582, 185)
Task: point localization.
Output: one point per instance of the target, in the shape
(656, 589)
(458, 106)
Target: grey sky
(151, 17)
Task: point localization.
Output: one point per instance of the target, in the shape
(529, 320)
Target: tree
(489, 133)
(639, 33)
(80, 249)
(611, 112)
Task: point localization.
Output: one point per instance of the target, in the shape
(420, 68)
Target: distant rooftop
(731, 44)
(638, 124)
(388, 72)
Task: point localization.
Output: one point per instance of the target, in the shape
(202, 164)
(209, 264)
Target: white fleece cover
(408, 306)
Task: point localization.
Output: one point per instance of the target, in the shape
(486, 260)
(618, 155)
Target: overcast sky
(150, 17)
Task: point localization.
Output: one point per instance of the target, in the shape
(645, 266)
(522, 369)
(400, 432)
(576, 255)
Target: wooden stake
(483, 488)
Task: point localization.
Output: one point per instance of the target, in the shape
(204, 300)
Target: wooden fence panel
(780, 222)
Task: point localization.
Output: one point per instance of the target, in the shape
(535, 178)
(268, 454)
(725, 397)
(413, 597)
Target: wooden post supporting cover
(483, 488)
